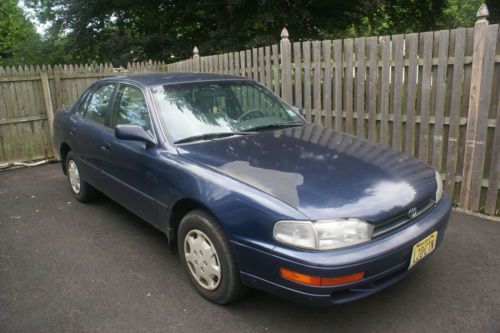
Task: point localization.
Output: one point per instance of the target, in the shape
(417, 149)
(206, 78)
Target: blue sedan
(248, 192)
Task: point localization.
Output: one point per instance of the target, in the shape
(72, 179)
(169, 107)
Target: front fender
(246, 214)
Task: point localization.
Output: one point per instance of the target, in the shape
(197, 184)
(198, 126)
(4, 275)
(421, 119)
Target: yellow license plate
(423, 248)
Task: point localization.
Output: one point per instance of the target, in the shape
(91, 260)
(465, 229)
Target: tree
(17, 33)
(120, 31)
(461, 13)
(160, 29)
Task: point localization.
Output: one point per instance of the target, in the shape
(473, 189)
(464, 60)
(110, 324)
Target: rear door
(91, 115)
(129, 166)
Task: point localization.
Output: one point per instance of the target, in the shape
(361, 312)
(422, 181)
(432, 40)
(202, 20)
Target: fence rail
(433, 95)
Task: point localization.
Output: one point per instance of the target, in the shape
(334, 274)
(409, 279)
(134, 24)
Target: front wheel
(207, 259)
(80, 189)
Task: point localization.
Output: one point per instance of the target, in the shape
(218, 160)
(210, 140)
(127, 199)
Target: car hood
(320, 172)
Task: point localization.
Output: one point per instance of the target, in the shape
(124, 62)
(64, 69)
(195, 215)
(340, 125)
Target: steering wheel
(247, 114)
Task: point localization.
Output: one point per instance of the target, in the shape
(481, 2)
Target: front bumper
(384, 260)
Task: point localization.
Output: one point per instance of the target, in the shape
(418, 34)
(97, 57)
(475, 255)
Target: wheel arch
(64, 150)
(178, 210)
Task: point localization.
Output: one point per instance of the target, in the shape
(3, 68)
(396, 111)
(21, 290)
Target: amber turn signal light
(319, 281)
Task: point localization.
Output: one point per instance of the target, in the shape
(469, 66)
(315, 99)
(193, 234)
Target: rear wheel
(81, 190)
(207, 259)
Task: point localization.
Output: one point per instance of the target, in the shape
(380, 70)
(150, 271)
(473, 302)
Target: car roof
(155, 79)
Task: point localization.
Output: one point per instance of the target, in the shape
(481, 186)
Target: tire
(81, 190)
(203, 248)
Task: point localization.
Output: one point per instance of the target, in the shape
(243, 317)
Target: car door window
(98, 103)
(84, 102)
(130, 108)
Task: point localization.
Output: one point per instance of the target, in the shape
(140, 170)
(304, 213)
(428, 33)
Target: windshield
(202, 110)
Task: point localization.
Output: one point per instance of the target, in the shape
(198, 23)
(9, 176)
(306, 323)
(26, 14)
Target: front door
(129, 165)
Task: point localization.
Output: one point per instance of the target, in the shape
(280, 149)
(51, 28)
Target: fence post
(196, 60)
(470, 160)
(48, 108)
(286, 67)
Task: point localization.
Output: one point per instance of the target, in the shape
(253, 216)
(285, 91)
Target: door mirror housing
(133, 133)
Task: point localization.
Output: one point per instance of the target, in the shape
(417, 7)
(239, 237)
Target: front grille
(402, 219)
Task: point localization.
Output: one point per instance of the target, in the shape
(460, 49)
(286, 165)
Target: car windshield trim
(274, 126)
(210, 136)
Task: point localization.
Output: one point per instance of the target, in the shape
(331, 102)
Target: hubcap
(74, 176)
(202, 259)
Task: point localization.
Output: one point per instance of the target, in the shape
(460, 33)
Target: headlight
(439, 187)
(323, 235)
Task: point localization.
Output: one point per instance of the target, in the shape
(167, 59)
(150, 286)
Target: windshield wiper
(209, 136)
(274, 126)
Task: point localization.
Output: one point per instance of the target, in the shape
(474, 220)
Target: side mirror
(133, 133)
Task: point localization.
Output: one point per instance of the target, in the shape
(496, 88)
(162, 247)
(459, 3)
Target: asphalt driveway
(67, 266)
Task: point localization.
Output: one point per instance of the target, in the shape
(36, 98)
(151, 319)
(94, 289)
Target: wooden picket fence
(433, 95)
(29, 96)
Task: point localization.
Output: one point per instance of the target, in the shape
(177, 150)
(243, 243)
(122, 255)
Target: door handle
(105, 146)
(72, 131)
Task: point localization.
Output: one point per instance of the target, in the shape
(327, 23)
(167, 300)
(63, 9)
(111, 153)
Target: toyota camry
(247, 192)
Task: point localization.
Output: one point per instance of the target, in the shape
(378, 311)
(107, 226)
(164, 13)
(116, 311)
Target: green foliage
(21, 45)
(163, 29)
(121, 31)
(461, 13)
(400, 16)
(16, 32)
